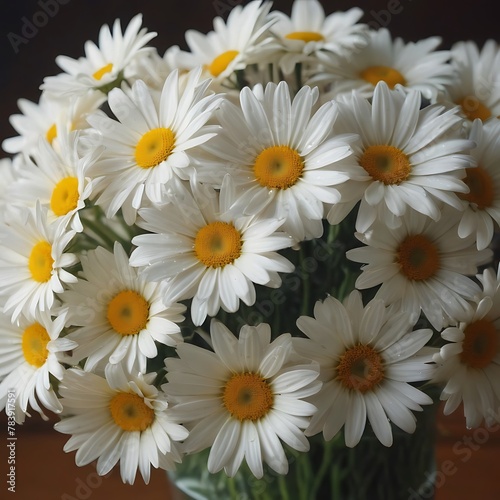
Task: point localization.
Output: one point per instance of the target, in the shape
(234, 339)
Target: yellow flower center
(217, 244)
(473, 108)
(65, 196)
(305, 36)
(386, 164)
(375, 74)
(480, 344)
(128, 312)
(40, 262)
(418, 257)
(51, 133)
(102, 71)
(360, 368)
(130, 412)
(481, 188)
(34, 344)
(247, 396)
(278, 167)
(221, 62)
(154, 146)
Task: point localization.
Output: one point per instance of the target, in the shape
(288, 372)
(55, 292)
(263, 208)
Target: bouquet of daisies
(285, 231)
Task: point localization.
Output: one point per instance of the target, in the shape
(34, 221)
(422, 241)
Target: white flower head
(57, 179)
(47, 119)
(281, 155)
(32, 261)
(122, 418)
(469, 362)
(150, 141)
(308, 30)
(407, 157)
(203, 251)
(422, 266)
(367, 358)
(482, 203)
(475, 88)
(413, 65)
(104, 64)
(119, 315)
(243, 398)
(232, 45)
(31, 352)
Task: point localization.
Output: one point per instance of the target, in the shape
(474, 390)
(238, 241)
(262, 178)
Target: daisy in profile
(119, 316)
(57, 179)
(241, 40)
(475, 87)
(31, 352)
(42, 119)
(9, 171)
(422, 266)
(151, 140)
(32, 261)
(482, 203)
(119, 418)
(308, 31)
(104, 65)
(469, 362)
(367, 357)
(413, 65)
(406, 157)
(282, 156)
(207, 253)
(243, 398)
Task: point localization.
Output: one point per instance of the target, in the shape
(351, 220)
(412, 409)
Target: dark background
(76, 21)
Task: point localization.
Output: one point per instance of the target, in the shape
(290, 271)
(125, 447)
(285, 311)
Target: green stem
(99, 231)
(298, 75)
(282, 487)
(325, 464)
(306, 281)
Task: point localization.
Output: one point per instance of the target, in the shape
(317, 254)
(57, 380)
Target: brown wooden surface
(467, 465)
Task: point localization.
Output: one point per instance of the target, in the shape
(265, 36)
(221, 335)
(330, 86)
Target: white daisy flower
(31, 352)
(367, 357)
(32, 259)
(482, 203)
(119, 315)
(413, 65)
(406, 157)
(242, 399)
(308, 31)
(421, 266)
(206, 253)
(104, 65)
(469, 363)
(475, 87)
(119, 418)
(239, 41)
(281, 155)
(43, 119)
(57, 179)
(151, 140)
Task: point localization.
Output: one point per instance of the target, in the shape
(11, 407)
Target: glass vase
(330, 470)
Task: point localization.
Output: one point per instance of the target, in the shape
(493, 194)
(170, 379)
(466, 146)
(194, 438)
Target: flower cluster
(152, 204)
